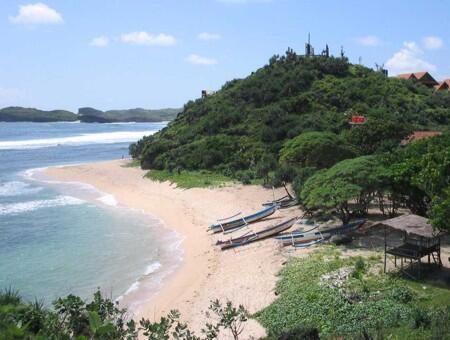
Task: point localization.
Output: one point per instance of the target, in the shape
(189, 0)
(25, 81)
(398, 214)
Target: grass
(190, 179)
(134, 163)
(383, 305)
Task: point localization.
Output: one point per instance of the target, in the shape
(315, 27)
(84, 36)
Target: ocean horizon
(61, 238)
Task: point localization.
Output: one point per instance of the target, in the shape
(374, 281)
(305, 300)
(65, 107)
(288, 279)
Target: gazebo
(418, 240)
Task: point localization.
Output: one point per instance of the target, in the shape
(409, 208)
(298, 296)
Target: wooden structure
(418, 135)
(419, 240)
(443, 85)
(422, 77)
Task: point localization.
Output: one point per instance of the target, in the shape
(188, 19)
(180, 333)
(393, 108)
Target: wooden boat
(296, 238)
(285, 201)
(242, 221)
(256, 236)
(309, 244)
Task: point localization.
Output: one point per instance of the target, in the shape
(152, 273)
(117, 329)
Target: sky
(117, 54)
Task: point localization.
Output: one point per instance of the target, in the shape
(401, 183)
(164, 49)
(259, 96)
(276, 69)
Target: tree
(348, 187)
(315, 149)
(440, 211)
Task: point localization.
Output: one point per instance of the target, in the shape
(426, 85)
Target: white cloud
(208, 36)
(144, 38)
(408, 59)
(369, 40)
(101, 41)
(38, 13)
(199, 60)
(432, 43)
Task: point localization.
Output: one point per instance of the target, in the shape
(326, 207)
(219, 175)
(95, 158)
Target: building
(443, 85)
(422, 77)
(206, 93)
(418, 135)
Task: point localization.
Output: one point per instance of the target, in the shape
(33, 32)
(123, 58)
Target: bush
(401, 294)
(245, 176)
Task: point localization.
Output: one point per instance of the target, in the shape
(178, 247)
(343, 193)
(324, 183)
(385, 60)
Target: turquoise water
(57, 239)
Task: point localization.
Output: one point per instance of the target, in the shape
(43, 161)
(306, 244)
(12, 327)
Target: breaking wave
(17, 188)
(89, 138)
(22, 207)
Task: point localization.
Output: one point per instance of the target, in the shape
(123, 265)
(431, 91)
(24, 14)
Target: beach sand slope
(245, 276)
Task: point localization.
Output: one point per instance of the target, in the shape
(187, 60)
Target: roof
(423, 76)
(443, 85)
(418, 135)
(411, 224)
(420, 75)
(406, 76)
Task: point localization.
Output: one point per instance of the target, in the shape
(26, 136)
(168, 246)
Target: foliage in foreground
(368, 303)
(72, 318)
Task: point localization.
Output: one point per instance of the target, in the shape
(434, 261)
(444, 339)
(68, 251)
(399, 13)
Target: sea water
(56, 238)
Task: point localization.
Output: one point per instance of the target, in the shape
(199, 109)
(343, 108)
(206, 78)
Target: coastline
(245, 276)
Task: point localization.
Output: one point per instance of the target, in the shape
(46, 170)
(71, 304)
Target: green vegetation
(289, 122)
(349, 298)
(90, 115)
(316, 149)
(21, 114)
(236, 127)
(86, 115)
(189, 179)
(101, 319)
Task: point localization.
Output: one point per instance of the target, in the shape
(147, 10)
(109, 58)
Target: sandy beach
(245, 276)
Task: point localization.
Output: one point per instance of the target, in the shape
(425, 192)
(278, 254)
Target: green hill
(88, 115)
(22, 114)
(247, 122)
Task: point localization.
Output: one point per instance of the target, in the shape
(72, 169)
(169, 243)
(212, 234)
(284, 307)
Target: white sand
(245, 276)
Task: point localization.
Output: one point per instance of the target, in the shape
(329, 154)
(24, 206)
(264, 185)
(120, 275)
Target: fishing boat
(284, 202)
(256, 236)
(232, 225)
(297, 238)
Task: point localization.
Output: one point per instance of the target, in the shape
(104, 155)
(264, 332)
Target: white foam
(152, 268)
(108, 200)
(21, 207)
(17, 188)
(132, 288)
(89, 138)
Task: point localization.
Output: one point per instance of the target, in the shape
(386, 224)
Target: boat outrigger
(222, 226)
(252, 236)
(314, 236)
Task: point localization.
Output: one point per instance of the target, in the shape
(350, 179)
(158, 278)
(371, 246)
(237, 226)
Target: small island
(86, 115)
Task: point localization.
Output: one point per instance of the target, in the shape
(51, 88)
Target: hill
(248, 121)
(22, 114)
(89, 115)
(86, 115)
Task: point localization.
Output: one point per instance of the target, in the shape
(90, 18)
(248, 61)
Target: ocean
(58, 239)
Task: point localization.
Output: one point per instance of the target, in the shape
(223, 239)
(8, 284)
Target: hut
(418, 240)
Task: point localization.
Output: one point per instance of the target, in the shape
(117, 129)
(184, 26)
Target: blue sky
(141, 53)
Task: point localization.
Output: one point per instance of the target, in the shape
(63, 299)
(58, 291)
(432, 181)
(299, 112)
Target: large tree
(348, 187)
(315, 149)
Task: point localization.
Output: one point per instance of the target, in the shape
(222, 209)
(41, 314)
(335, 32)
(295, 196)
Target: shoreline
(205, 273)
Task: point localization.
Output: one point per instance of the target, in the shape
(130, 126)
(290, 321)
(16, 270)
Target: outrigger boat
(222, 226)
(285, 201)
(297, 237)
(256, 236)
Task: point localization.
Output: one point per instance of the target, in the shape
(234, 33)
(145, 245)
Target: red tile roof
(406, 76)
(443, 85)
(418, 135)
